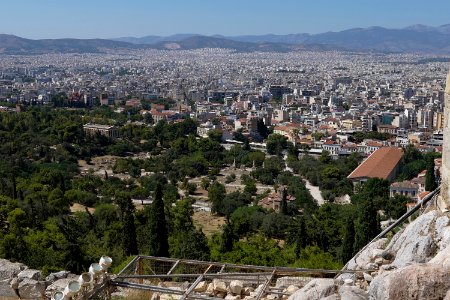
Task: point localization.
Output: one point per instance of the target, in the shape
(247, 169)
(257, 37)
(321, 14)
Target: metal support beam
(266, 284)
(191, 288)
(129, 264)
(223, 268)
(173, 267)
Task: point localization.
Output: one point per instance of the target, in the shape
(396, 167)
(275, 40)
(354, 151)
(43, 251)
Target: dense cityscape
(224, 166)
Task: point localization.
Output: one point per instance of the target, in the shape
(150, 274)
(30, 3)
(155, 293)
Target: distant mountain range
(11, 44)
(416, 38)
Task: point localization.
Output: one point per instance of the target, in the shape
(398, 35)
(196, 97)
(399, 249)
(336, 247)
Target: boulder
(231, 297)
(352, 293)
(417, 281)
(6, 290)
(291, 289)
(368, 277)
(284, 282)
(169, 297)
(236, 286)
(415, 244)
(219, 286)
(442, 258)
(56, 276)
(31, 289)
(333, 297)
(57, 286)
(247, 290)
(210, 289)
(201, 287)
(365, 257)
(442, 231)
(316, 289)
(348, 281)
(447, 296)
(30, 274)
(221, 294)
(8, 269)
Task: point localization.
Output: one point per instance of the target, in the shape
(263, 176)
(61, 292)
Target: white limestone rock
(316, 289)
(8, 269)
(248, 290)
(219, 286)
(442, 258)
(291, 289)
(201, 287)
(365, 257)
(6, 290)
(30, 274)
(352, 293)
(368, 277)
(57, 286)
(31, 289)
(442, 231)
(210, 289)
(332, 297)
(56, 276)
(236, 286)
(415, 244)
(232, 297)
(417, 281)
(284, 282)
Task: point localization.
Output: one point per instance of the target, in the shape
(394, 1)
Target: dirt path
(315, 192)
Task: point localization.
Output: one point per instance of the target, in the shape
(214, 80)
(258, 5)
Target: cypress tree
(348, 241)
(301, 239)
(129, 240)
(159, 245)
(228, 238)
(430, 178)
(283, 204)
(366, 227)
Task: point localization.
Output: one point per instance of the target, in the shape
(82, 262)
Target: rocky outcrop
(32, 289)
(418, 243)
(418, 281)
(8, 278)
(316, 289)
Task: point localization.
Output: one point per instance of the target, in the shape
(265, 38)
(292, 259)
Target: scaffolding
(179, 278)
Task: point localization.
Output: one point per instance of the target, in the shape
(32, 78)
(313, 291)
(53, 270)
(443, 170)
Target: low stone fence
(17, 281)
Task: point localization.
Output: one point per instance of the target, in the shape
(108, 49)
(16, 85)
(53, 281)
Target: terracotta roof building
(384, 163)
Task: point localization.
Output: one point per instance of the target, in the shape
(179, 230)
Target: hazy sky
(116, 18)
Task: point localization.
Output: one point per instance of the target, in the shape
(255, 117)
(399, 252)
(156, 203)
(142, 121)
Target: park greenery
(40, 181)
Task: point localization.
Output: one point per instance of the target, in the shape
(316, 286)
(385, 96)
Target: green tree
(262, 128)
(216, 195)
(283, 204)
(275, 144)
(367, 226)
(228, 238)
(430, 177)
(348, 240)
(186, 241)
(159, 245)
(126, 206)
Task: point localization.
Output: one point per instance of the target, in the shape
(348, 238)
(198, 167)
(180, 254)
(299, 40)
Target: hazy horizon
(107, 19)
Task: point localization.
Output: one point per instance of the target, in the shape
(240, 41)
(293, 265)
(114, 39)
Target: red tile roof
(379, 164)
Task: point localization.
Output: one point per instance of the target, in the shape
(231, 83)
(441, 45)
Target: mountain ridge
(412, 39)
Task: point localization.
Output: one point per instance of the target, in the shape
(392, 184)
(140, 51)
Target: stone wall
(17, 281)
(444, 199)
